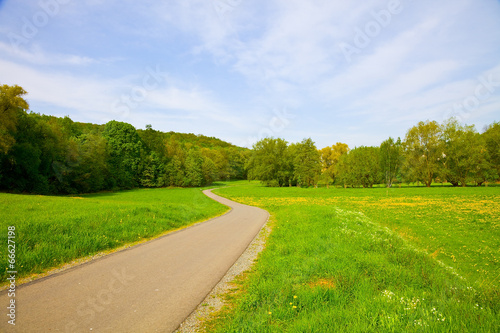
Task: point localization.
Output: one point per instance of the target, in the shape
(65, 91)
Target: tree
(11, 103)
(90, 170)
(26, 167)
(194, 168)
(359, 167)
(423, 151)
(270, 162)
(366, 165)
(175, 171)
(330, 157)
(391, 159)
(221, 160)
(484, 170)
(466, 157)
(492, 140)
(237, 160)
(125, 148)
(152, 171)
(209, 171)
(153, 140)
(306, 162)
(345, 174)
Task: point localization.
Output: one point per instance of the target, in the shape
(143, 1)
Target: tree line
(54, 155)
(430, 152)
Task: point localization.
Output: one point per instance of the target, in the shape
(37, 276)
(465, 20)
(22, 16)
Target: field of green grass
(51, 230)
(371, 260)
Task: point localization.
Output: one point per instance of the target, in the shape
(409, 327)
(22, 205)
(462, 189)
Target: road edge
(214, 301)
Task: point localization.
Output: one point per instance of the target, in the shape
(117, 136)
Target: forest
(53, 155)
(430, 152)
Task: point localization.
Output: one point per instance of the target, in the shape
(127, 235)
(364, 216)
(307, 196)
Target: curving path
(151, 287)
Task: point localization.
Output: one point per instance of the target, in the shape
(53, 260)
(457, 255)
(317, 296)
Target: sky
(355, 72)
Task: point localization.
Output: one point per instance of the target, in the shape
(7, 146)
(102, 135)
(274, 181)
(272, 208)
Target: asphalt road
(151, 287)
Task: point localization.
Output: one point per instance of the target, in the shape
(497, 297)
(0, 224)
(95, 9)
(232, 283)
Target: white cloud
(58, 89)
(196, 103)
(280, 53)
(38, 57)
(101, 99)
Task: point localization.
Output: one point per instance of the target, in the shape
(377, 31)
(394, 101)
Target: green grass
(51, 230)
(371, 260)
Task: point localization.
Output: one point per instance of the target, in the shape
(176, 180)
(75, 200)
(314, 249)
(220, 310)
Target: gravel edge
(214, 300)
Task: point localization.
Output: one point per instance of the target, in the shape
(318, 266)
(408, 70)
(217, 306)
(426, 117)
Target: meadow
(370, 260)
(54, 230)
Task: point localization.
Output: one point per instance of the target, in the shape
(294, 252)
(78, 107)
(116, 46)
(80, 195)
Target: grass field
(371, 260)
(51, 231)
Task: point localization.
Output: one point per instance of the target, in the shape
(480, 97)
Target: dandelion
(294, 296)
(294, 307)
(270, 312)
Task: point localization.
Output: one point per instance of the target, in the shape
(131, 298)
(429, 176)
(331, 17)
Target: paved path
(151, 287)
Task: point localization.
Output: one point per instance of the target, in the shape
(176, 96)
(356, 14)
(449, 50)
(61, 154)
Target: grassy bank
(51, 231)
(371, 260)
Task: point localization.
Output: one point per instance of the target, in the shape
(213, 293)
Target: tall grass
(51, 231)
(330, 266)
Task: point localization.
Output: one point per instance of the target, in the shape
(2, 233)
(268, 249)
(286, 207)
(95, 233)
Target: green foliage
(237, 160)
(330, 157)
(271, 162)
(125, 150)
(152, 173)
(209, 170)
(276, 163)
(431, 152)
(28, 164)
(424, 152)
(391, 159)
(11, 104)
(492, 140)
(359, 167)
(220, 159)
(306, 162)
(194, 170)
(175, 170)
(466, 157)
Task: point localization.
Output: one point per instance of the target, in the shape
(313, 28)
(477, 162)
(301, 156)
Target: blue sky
(336, 71)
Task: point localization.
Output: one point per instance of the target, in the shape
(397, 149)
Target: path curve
(151, 287)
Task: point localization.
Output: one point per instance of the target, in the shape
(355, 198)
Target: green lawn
(371, 260)
(53, 230)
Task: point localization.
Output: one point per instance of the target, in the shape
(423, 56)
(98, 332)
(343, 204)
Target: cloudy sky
(336, 71)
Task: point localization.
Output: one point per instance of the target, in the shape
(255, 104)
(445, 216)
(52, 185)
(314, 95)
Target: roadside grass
(54, 230)
(370, 260)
